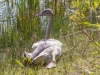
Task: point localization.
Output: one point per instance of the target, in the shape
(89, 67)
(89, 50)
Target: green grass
(80, 55)
(74, 60)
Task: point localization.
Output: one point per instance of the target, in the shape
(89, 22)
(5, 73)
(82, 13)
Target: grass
(75, 60)
(80, 55)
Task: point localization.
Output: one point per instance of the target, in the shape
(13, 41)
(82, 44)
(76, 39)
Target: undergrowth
(76, 29)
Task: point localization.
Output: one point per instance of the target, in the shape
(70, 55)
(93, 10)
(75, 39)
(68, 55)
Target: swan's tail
(51, 64)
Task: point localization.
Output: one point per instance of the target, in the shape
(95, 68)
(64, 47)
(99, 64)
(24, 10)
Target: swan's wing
(36, 44)
(37, 49)
(49, 56)
(41, 46)
(47, 51)
(49, 41)
(43, 56)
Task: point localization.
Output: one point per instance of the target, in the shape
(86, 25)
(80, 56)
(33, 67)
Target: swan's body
(47, 50)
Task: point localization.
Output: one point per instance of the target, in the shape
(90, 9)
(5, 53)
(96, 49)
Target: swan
(47, 50)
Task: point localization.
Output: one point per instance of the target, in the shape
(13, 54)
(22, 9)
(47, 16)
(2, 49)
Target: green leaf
(94, 52)
(31, 72)
(96, 4)
(18, 62)
(87, 23)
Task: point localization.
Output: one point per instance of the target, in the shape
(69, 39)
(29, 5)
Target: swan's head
(46, 12)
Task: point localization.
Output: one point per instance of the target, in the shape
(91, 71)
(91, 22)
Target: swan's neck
(49, 27)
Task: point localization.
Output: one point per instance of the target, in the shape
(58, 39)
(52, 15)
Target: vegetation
(76, 25)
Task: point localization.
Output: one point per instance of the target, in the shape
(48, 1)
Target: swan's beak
(39, 14)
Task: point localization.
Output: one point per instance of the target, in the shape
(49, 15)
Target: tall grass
(80, 54)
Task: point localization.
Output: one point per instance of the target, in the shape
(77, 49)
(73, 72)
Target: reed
(80, 54)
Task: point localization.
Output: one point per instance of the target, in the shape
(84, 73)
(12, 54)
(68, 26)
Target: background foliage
(76, 25)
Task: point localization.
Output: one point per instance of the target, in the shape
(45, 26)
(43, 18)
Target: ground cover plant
(76, 25)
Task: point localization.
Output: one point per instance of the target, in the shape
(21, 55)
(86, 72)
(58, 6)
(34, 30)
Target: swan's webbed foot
(51, 64)
(27, 58)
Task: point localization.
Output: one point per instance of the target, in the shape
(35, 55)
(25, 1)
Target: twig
(92, 30)
(85, 70)
(85, 31)
(71, 34)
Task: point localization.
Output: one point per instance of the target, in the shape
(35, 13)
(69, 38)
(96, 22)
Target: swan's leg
(55, 55)
(54, 58)
(52, 63)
